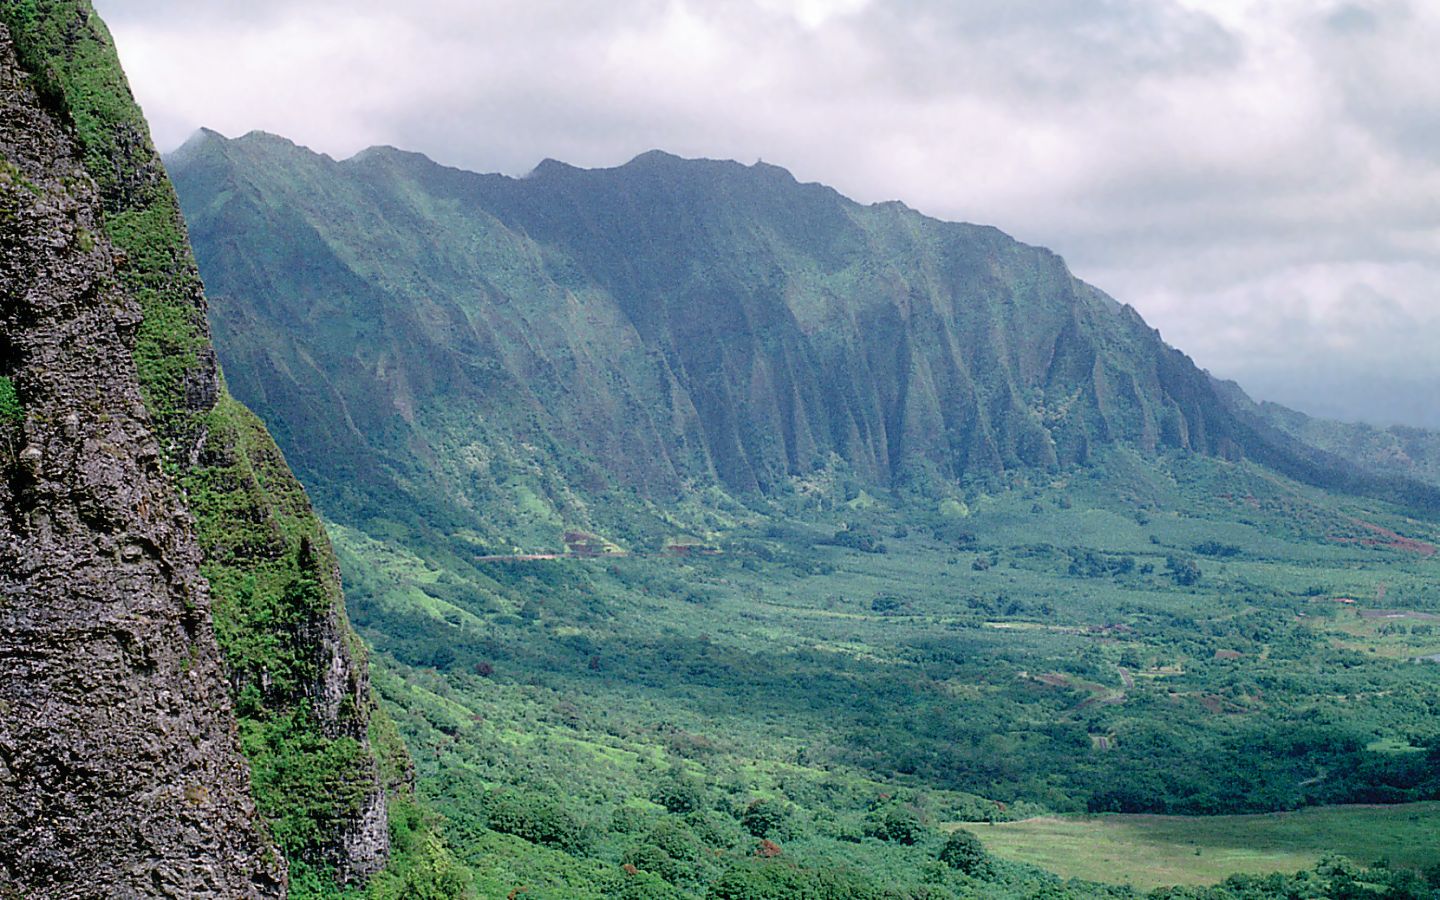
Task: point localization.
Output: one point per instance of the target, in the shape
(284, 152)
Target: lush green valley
(705, 534)
(1038, 654)
(719, 537)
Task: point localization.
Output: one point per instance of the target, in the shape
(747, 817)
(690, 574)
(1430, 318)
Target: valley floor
(1181, 636)
(1149, 851)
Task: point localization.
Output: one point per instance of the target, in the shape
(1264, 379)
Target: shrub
(678, 793)
(964, 853)
(896, 823)
(652, 859)
(764, 817)
(1184, 570)
(628, 820)
(11, 412)
(537, 820)
(859, 539)
(676, 839)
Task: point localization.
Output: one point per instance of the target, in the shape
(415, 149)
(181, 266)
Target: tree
(1183, 569)
(763, 817)
(964, 853)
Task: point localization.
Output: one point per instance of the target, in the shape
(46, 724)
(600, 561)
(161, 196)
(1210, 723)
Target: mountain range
(665, 327)
(714, 535)
(685, 460)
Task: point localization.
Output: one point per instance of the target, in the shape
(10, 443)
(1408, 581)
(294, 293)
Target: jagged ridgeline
(540, 350)
(84, 184)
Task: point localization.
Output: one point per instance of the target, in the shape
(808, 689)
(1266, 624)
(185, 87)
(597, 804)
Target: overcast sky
(1260, 178)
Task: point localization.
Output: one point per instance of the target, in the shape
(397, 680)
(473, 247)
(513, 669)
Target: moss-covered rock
(308, 720)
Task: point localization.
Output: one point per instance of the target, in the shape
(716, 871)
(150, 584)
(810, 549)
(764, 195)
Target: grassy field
(1153, 851)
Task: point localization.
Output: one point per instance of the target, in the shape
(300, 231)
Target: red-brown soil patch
(1384, 537)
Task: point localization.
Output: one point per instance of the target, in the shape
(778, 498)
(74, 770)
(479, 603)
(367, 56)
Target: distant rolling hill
(1397, 451)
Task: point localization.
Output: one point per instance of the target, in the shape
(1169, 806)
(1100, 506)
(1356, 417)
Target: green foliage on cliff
(265, 560)
(172, 350)
(71, 55)
(275, 588)
(315, 784)
(68, 53)
(11, 412)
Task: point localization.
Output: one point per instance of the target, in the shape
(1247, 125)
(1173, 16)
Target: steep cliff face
(120, 768)
(525, 352)
(296, 673)
(665, 324)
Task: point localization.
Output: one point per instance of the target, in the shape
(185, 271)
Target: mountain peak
(262, 137)
(657, 157)
(662, 160)
(550, 167)
(198, 143)
(385, 153)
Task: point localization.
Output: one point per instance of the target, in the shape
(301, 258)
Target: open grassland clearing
(1151, 851)
(1389, 633)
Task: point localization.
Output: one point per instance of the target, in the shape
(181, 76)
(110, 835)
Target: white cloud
(1256, 176)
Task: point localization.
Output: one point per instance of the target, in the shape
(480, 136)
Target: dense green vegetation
(994, 552)
(267, 558)
(1026, 651)
(11, 412)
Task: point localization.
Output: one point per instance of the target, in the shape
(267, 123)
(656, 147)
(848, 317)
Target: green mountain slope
(920, 528)
(324, 761)
(656, 328)
(1397, 451)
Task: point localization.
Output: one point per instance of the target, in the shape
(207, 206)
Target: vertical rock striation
(307, 720)
(120, 770)
(424, 340)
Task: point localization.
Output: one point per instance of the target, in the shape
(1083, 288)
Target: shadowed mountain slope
(1396, 452)
(422, 332)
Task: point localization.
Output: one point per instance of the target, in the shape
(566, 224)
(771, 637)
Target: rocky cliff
(120, 767)
(537, 351)
(133, 462)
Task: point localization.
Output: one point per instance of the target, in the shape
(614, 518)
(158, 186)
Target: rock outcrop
(134, 462)
(120, 768)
